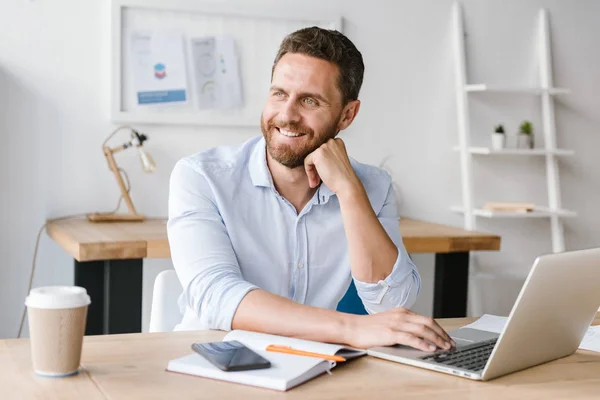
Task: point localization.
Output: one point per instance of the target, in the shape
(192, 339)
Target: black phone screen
(231, 356)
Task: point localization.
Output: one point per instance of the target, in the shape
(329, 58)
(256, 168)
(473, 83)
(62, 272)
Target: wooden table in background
(109, 258)
(133, 367)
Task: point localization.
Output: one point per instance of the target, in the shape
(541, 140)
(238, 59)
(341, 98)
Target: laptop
(553, 311)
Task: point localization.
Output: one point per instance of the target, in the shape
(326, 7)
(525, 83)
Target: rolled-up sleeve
(401, 287)
(201, 250)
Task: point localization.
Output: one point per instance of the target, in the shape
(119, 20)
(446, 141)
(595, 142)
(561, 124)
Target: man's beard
(293, 157)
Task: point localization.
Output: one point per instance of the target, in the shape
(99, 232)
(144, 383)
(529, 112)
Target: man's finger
(340, 142)
(313, 177)
(429, 322)
(425, 332)
(413, 341)
(311, 171)
(406, 311)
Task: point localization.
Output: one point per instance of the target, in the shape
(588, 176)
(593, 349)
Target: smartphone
(231, 356)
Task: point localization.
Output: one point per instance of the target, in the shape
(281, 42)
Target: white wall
(54, 102)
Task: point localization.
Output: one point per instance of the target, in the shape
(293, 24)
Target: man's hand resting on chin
(330, 163)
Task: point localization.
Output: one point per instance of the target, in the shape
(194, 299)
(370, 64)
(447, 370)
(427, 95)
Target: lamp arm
(117, 149)
(115, 132)
(115, 169)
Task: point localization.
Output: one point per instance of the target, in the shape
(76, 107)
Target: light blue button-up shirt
(231, 232)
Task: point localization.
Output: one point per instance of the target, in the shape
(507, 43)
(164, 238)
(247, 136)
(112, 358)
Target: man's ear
(348, 114)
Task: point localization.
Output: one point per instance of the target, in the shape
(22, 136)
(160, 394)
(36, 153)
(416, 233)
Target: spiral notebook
(286, 371)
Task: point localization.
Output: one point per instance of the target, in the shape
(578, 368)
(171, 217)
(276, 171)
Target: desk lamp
(148, 166)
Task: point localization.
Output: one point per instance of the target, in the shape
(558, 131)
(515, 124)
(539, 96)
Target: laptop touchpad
(465, 336)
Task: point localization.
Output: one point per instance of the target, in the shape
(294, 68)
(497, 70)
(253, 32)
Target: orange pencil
(288, 350)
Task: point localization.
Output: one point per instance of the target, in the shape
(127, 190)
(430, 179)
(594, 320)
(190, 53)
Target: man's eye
(310, 102)
(278, 94)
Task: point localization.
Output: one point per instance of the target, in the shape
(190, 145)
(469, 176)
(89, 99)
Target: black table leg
(115, 288)
(451, 285)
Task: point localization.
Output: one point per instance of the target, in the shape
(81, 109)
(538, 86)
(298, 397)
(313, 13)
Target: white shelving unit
(538, 212)
(546, 91)
(514, 89)
(486, 151)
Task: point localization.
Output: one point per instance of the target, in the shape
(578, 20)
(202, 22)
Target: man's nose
(289, 112)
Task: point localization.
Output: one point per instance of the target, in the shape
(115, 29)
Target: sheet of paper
(489, 323)
(591, 340)
(216, 72)
(158, 63)
(494, 323)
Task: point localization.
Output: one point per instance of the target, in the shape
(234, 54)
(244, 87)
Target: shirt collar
(259, 171)
(324, 193)
(261, 176)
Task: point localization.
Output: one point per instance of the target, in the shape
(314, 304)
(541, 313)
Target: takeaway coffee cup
(57, 316)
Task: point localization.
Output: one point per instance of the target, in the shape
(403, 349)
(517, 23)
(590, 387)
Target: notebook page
(260, 341)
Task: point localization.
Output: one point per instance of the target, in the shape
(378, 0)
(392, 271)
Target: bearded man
(268, 235)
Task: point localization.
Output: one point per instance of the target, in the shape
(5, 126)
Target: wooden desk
(133, 367)
(109, 257)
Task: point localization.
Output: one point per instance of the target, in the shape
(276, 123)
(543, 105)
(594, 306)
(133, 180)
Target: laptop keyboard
(472, 357)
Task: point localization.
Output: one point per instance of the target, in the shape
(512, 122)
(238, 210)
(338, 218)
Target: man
(267, 236)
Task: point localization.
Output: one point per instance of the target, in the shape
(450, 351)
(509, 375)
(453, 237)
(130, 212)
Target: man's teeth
(288, 133)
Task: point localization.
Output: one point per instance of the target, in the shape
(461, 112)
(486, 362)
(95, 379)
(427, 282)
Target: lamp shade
(148, 164)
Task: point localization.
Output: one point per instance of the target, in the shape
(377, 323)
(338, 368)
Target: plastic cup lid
(57, 297)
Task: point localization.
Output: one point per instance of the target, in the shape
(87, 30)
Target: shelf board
(538, 212)
(517, 152)
(513, 89)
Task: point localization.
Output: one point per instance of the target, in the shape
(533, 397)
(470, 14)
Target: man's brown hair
(332, 46)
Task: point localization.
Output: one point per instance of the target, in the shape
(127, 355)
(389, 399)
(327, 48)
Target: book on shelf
(509, 207)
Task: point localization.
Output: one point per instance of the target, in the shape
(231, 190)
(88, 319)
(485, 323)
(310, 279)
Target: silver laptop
(557, 304)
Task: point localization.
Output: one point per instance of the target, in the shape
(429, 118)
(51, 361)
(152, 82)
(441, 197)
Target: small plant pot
(498, 141)
(525, 141)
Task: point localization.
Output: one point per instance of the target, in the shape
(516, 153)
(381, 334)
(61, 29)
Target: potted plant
(525, 139)
(498, 138)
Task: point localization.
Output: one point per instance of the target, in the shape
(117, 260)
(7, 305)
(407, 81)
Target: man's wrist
(346, 327)
(351, 192)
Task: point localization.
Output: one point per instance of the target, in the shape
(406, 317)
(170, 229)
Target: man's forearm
(372, 252)
(261, 311)
(265, 312)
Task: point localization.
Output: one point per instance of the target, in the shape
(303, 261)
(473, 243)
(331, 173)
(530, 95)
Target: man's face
(303, 110)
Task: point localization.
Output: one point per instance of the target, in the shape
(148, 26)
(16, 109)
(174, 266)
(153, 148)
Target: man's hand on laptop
(397, 326)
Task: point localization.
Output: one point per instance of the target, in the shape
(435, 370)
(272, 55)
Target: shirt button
(300, 265)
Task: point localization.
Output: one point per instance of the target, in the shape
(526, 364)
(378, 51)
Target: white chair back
(165, 313)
